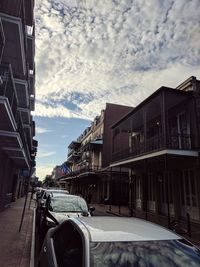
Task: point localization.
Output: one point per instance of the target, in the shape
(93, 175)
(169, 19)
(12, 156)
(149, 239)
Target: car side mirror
(91, 209)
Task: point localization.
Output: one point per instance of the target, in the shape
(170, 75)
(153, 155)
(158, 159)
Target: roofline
(186, 82)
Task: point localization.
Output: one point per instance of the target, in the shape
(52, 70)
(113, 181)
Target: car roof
(56, 190)
(102, 229)
(66, 196)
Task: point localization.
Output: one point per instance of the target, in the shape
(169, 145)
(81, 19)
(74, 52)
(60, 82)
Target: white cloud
(45, 154)
(40, 130)
(90, 52)
(42, 171)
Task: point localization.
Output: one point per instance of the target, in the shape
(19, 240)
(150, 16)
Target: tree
(49, 181)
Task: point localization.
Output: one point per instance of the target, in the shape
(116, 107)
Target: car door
(63, 247)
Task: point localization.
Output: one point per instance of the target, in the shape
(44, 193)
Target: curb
(32, 257)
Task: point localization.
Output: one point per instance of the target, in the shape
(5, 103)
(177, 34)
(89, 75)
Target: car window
(68, 246)
(68, 204)
(170, 253)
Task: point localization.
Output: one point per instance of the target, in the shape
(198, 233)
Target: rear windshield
(173, 253)
(68, 204)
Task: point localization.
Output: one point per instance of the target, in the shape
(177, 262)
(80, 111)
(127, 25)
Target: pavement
(15, 246)
(101, 209)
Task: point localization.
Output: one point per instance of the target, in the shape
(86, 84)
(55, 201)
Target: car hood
(63, 216)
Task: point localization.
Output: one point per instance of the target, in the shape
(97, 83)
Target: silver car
(114, 241)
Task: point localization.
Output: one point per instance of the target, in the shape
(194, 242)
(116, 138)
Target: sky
(89, 52)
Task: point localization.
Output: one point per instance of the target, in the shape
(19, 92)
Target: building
(90, 155)
(161, 150)
(17, 97)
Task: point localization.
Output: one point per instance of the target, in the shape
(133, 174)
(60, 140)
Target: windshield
(173, 253)
(68, 204)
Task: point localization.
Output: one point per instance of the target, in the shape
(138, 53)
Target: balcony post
(163, 116)
(166, 179)
(145, 128)
(110, 190)
(120, 188)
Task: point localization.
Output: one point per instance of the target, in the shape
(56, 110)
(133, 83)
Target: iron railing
(20, 130)
(83, 169)
(7, 88)
(153, 144)
(2, 40)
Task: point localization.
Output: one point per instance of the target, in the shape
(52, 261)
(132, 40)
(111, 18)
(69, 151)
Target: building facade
(90, 155)
(162, 153)
(17, 97)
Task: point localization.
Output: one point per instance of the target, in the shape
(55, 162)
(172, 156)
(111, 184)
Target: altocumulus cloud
(91, 52)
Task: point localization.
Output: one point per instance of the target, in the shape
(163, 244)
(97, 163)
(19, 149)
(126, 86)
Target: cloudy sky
(89, 52)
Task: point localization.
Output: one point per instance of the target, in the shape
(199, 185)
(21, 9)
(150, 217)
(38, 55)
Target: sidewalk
(15, 246)
(111, 209)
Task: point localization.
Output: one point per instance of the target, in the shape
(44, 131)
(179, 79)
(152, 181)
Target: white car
(115, 241)
(62, 207)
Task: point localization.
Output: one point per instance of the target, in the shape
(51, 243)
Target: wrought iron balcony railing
(82, 170)
(7, 88)
(20, 130)
(2, 40)
(153, 144)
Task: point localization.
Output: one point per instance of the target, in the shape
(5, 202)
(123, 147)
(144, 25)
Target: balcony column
(145, 127)
(166, 178)
(131, 192)
(120, 187)
(110, 190)
(163, 123)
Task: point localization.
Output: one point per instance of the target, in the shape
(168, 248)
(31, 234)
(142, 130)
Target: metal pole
(167, 192)
(120, 194)
(145, 177)
(110, 196)
(131, 192)
(188, 225)
(22, 218)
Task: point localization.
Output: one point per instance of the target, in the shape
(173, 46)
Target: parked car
(62, 207)
(115, 241)
(41, 200)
